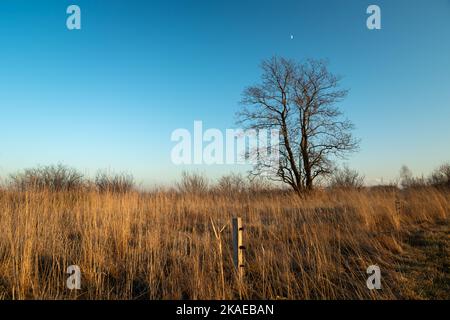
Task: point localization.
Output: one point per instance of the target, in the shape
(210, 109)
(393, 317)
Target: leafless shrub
(193, 183)
(346, 178)
(52, 177)
(260, 185)
(232, 184)
(441, 176)
(114, 182)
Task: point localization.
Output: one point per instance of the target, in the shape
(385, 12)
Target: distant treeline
(440, 177)
(63, 178)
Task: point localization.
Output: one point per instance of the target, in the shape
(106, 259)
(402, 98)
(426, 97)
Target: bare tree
(298, 99)
(406, 177)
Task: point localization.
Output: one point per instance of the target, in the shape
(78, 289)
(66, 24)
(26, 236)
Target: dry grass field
(162, 245)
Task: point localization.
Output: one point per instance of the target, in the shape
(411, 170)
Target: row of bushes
(440, 178)
(348, 178)
(63, 178)
(231, 184)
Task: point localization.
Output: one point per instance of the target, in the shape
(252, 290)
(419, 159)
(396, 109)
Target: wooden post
(238, 248)
(398, 204)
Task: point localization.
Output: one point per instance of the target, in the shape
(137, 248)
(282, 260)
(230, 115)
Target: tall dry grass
(163, 245)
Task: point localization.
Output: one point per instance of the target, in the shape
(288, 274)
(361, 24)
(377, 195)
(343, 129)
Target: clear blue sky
(109, 95)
